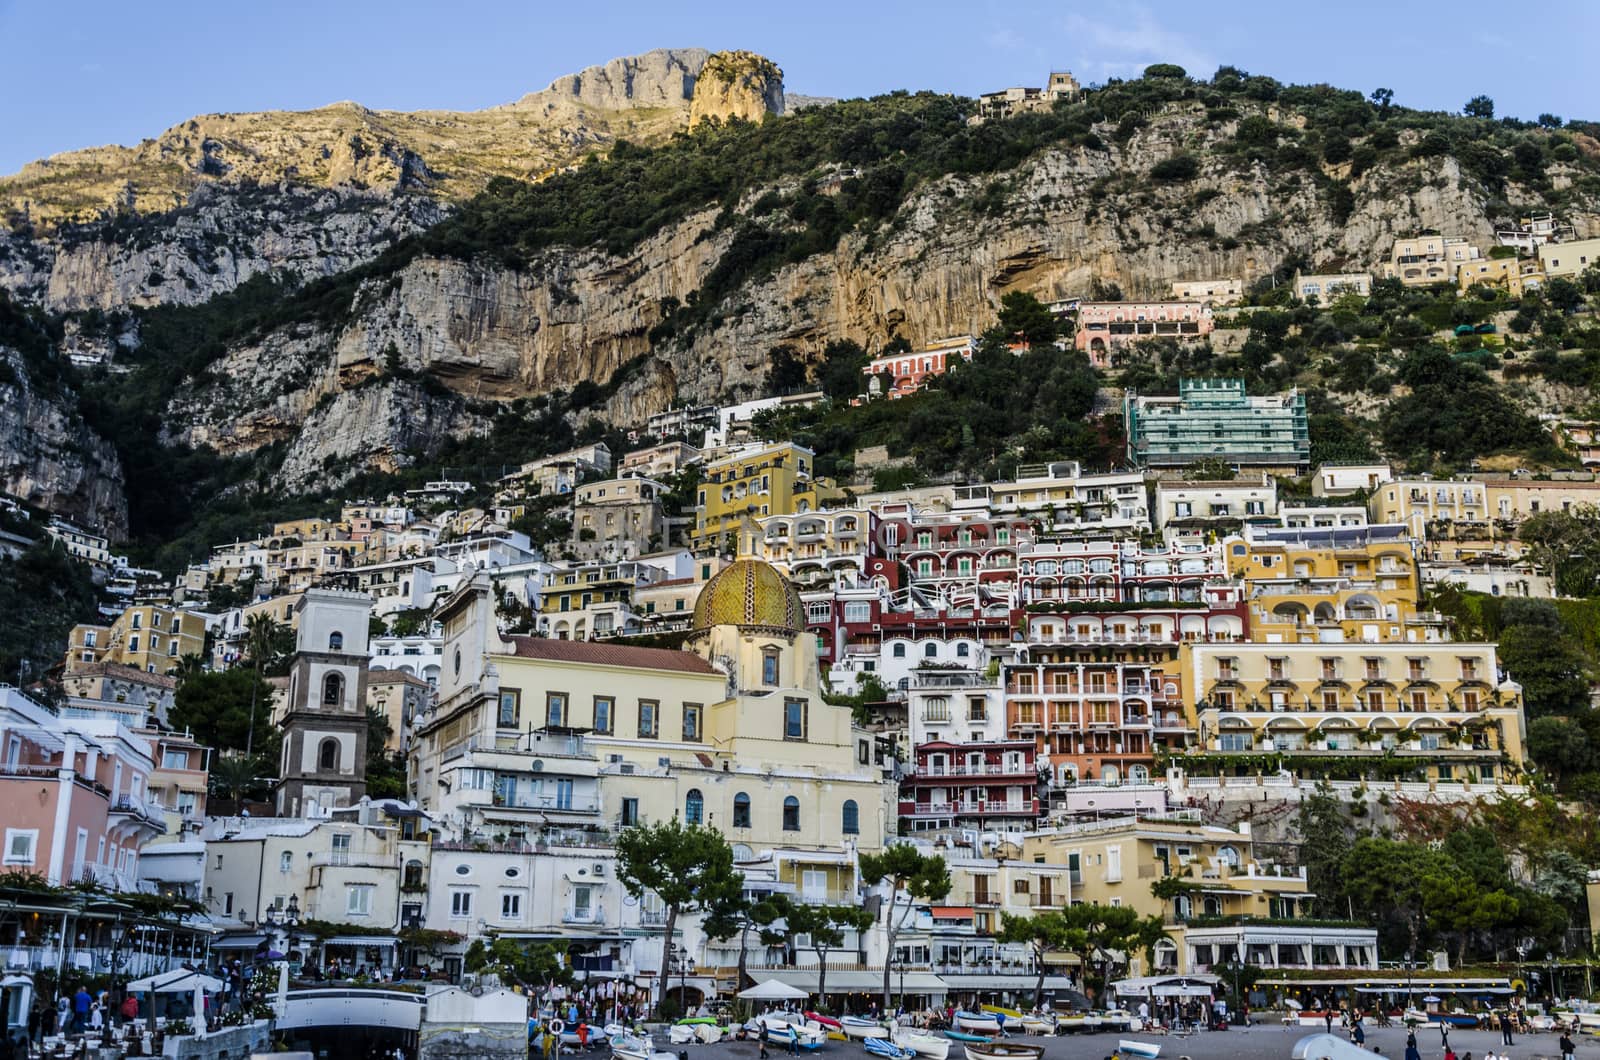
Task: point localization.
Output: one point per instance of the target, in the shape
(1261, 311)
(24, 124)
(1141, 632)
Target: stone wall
(230, 1043)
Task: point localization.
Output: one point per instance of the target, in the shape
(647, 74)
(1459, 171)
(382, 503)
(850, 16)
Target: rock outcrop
(737, 84)
(661, 78)
(50, 457)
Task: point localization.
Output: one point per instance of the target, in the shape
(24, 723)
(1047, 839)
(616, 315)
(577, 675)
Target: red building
(971, 785)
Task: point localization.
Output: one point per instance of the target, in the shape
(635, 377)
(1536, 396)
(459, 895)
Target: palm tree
(262, 638)
(233, 776)
(189, 666)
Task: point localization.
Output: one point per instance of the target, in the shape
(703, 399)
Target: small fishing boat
(827, 1022)
(1146, 1050)
(1118, 1019)
(888, 1050)
(926, 1045)
(1033, 1023)
(1071, 1022)
(1000, 1010)
(964, 1036)
(856, 1027)
(979, 1022)
(1467, 1019)
(637, 1047)
(1004, 1051)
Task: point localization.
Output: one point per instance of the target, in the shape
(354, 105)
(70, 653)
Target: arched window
(791, 814)
(413, 876)
(961, 650)
(336, 641)
(328, 755)
(741, 810)
(852, 818)
(930, 650)
(694, 807)
(899, 651)
(333, 690)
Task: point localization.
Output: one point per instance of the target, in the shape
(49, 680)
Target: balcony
(545, 803)
(1047, 901)
(593, 915)
(971, 809)
(987, 769)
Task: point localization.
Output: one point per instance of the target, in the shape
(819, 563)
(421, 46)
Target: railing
(922, 809)
(1047, 901)
(584, 916)
(1021, 769)
(129, 962)
(554, 803)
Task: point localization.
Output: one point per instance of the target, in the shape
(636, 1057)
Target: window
(510, 905)
(555, 708)
(694, 807)
(336, 641)
(175, 760)
(461, 904)
(332, 690)
(603, 707)
(1234, 741)
(630, 812)
(133, 642)
(858, 611)
(648, 709)
(963, 650)
(510, 708)
(794, 719)
(691, 721)
(769, 666)
(741, 810)
(930, 650)
(852, 818)
(358, 900)
(286, 861)
(138, 620)
(20, 844)
(328, 755)
(791, 814)
(899, 651)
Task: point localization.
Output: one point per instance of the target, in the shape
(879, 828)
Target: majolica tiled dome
(749, 592)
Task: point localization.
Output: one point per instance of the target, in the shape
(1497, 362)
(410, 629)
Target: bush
(1175, 170)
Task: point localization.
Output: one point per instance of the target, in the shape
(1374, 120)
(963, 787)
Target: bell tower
(324, 760)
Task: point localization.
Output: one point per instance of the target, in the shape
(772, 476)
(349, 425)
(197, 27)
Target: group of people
(77, 1011)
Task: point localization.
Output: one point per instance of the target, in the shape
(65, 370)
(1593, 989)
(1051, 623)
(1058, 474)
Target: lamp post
(1409, 965)
(1555, 987)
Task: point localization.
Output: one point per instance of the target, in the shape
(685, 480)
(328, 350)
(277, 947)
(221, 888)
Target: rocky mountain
(209, 203)
(425, 322)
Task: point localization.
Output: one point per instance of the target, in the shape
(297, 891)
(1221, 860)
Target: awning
(950, 910)
(850, 982)
(987, 981)
(361, 940)
(239, 942)
(177, 981)
(1166, 985)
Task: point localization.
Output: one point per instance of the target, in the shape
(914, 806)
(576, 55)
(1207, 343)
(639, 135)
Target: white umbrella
(772, 990)
(1293, 1004)
(1432, 999)
(177, 981)
(199, 1020)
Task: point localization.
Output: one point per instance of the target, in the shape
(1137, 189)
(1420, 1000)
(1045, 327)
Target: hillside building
(1214, 419)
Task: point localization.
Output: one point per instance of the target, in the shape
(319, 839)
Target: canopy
(772, 990)
(177, 981)
(1166, 986)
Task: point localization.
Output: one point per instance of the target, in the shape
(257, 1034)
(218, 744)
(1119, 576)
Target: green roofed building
(1214, 419)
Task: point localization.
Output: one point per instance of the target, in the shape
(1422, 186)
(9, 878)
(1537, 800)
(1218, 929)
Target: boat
(1005, 1051)
(1118, 1019)
(1467, 1019)
(979, 1022)
(710, 1033)
(827, 1022)
(1036, 1024)
(1072, 1022)
(927, 1045)
(963, 1036)
(681, 1034)
(806, 1034)
(857, 1027)
(999, 1010)
(638, 1047)
(1092, 1022)
(1146, 1050)
(888, 1050)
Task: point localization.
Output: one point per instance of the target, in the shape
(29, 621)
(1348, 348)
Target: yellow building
(147, 637)
(1311, 585)
(1418, 261)
(1511, 275)
(1466, 517)
(1234, 907)
(817, 547)
(1570, 259)
(752, 482)
(1398, 710)
(533, 733)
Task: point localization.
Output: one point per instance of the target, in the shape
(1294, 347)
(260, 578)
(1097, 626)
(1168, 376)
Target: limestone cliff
(737, 84)
(49, 457)
(1066, 218)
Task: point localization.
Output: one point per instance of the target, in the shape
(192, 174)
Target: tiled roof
(601, 654)
(124, 672)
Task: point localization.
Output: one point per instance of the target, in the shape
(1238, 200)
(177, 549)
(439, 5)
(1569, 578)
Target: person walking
(1444, 1035)
(81, 1003)
(1505, 1029)
(761, 1039)
(1412, 1052)
(1566, 1046)
(1357, 1035)
(794, 1041)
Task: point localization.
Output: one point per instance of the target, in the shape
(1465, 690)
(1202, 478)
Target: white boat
(931, 1046)
(808, 1034)
(1091, 1022)
(978, 1022)
(709, 1033)
(1002, 1050)
(1071, 1022)
(1035, 1024)
(1147, 1050)
(856, 1027)
(1118, 1019)
(636, 1047)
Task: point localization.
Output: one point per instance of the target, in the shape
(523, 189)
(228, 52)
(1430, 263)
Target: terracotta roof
(124, 672)
(380, 675)
(601, 654)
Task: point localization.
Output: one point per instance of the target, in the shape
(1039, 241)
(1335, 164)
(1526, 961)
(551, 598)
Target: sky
(80, 73)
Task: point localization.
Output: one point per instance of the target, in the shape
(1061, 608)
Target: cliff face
(49, 457)
(1068, 218)
(740, 85)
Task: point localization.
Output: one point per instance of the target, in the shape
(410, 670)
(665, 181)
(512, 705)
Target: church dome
(749, 592)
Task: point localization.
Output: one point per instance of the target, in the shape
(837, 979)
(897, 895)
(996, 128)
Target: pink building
(74, 792)
(911, 369)
(1107, 326)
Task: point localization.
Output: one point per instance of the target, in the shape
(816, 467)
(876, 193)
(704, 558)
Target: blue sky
(86, 72)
